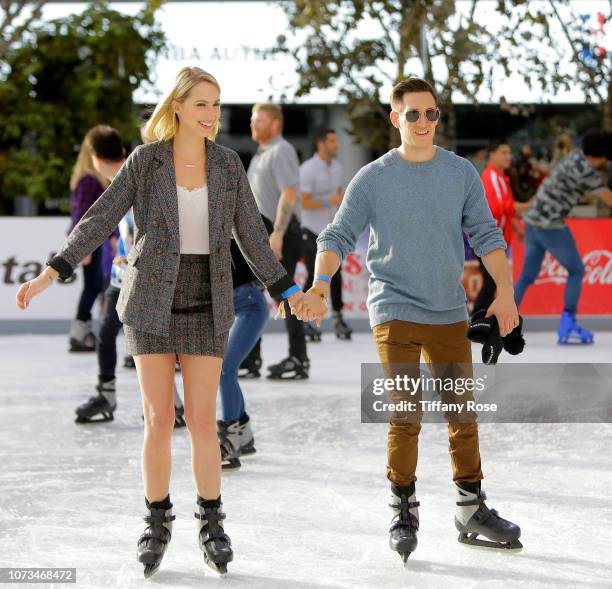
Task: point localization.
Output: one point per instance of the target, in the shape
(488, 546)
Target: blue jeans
(251, 317)
(560, 243)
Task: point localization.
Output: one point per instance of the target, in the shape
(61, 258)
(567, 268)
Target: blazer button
(222, 277)
(155, 223)
(159, 252)
(220, 250)
(153, 279)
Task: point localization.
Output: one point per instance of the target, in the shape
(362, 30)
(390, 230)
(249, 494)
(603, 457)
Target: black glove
(514, 342)
(485, 330)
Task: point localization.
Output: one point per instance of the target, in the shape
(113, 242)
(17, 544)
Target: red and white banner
(545, 296)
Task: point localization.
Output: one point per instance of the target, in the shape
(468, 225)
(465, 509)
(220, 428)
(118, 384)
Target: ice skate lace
(228, 450)
(405, 519)
(156, 532)
(212, 528)
(484, 513)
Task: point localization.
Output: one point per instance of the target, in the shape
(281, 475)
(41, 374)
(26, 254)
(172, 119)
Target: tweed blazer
(147, 182)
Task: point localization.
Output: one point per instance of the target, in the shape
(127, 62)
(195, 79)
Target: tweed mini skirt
(191, 320)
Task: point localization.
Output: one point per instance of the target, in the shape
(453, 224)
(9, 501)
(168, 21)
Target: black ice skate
(229, 444)
(236, 439)
(153, 542)
(98, 409)
(179, 416)
(405, 522)
(474, 518)
(250, 368)
(214, 542)
(312, 332)
(245, 436)
(179, 410)
(343, 331)
(82, 338)
(290, 368)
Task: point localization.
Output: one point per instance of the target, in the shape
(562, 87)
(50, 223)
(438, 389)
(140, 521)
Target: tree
(361, 46)
(67, 76)
(573, 54)
(16, 19)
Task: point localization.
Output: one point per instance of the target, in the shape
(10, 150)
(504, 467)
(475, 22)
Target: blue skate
(570, 333)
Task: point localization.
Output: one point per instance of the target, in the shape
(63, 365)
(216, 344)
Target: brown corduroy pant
(401, 342)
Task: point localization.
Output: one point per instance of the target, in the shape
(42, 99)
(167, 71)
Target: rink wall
(27, 242)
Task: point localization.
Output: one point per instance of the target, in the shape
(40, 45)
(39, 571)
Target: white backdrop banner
(25, 246)
(27, 242)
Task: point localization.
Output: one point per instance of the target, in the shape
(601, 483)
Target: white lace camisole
(193, 219)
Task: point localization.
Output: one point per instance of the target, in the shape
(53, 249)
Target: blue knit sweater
(417, 213)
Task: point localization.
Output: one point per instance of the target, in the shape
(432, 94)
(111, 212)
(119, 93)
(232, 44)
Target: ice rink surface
(310, 508)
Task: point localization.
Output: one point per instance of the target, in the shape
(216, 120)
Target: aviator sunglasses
(431, 114)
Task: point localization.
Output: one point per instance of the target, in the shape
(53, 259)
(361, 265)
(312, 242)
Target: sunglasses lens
(432, 115)
(412, 116)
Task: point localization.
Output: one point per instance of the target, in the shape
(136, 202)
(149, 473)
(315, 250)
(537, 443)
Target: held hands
(305, 306)
(34, 287)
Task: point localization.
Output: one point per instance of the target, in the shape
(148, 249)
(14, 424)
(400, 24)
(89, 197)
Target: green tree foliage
(360, 46)
(66, 76)
(16, 17)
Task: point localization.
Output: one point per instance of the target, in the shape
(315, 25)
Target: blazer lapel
(165, 187)
(215, 173)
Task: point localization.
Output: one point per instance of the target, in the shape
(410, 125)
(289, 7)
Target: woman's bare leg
(156, 378)
(201, 380)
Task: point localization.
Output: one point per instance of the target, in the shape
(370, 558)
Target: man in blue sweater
(419, 199)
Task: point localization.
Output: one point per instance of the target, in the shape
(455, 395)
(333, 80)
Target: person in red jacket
(504, 208)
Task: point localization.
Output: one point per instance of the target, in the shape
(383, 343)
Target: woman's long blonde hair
(84, 164)
(164, 122)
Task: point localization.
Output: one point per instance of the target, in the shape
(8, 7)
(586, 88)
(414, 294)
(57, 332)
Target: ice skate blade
(150, 570)
(247, 451)
(218, 567)
(568, 342)
(102, 419)
(250, 374)
(150, 562)
(404, 556)
(293, 376)
(230, 467)
(471, 541)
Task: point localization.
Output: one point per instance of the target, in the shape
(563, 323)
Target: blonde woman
(188, 196)
(86, 185)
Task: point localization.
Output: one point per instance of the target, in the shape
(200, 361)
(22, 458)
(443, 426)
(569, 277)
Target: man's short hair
(274, 110)
(106, 143)
(321, 135)
(597, 143)
(410, 85)
(495, 144)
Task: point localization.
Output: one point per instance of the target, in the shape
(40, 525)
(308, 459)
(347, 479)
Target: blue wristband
(292, 290)
(323, 277)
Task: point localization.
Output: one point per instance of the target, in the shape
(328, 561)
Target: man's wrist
(506, 289)
(322, 286)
